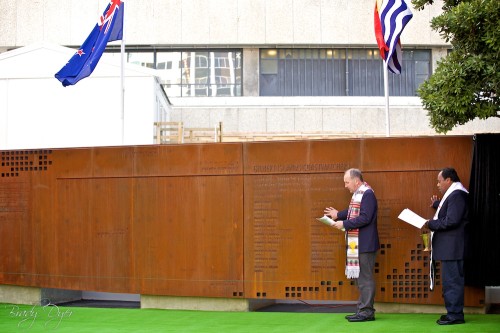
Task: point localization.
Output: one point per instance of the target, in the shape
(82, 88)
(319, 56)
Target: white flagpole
(386, 92)
(122, 90)
(122, 80)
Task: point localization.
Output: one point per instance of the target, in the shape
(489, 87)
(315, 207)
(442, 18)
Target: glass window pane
(269, 66)
(270, 53)
(145, 59)
(416, 68)
(195, 73)
(268, 85)
(225, 73)
(187, 91)
(168, 66)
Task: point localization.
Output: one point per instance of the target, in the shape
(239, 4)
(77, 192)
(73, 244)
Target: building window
(203, 73)
(338, 72)
(189, 73)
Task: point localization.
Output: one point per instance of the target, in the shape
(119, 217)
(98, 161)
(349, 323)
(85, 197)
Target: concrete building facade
(258, 66)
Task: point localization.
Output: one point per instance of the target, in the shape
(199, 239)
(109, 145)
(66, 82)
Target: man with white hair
(362, 242)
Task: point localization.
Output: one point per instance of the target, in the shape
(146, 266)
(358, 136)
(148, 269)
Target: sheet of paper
(326, 220)
(412, 218)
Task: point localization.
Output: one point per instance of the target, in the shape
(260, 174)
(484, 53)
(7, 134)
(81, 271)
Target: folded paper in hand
(412, 218)
(326, 220)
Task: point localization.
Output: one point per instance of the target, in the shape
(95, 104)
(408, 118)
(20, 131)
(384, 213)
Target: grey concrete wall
(352, 116)
(201, 303)
(214, 22)
(36, 296)
(20, 295)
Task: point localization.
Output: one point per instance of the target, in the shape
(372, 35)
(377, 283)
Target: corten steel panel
(188, 160)
(196, 248)
(417, 154)
(15, 202)
(290, 255)
(78, 162)
(149, 220)
(24, 174)
(103, 221)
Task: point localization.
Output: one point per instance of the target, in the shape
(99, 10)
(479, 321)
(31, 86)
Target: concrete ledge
(202, 303)
(20, 295)
(421, 308)
(291, 101)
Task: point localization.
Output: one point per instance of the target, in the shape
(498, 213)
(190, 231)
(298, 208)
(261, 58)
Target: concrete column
(438, 54)
(250, 72)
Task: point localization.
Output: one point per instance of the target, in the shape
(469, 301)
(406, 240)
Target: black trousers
(366, 283)
(452, 275)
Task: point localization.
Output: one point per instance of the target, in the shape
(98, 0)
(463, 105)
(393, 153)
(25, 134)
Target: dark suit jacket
(366, 222)
(448, 240)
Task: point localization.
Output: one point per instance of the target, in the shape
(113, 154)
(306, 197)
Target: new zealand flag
(108, 28)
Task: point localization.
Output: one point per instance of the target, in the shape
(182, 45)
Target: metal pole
(386, 92)
(122, 79)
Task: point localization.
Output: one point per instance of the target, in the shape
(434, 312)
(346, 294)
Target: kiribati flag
(391, 17)
(109, 27)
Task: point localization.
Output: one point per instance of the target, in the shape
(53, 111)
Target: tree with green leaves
(465, 84)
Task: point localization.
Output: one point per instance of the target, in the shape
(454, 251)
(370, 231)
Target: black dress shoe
(360, 318)
(351, 316)
(444, 320)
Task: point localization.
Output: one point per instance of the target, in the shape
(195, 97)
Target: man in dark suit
(361, 219)
(448, 241)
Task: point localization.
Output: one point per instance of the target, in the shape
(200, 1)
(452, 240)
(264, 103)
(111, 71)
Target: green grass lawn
(25, 318)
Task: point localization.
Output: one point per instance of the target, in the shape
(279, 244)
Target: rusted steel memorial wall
(233, 220)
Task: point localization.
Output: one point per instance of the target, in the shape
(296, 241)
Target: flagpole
(386, 93)
(122, 82)
(122, 90)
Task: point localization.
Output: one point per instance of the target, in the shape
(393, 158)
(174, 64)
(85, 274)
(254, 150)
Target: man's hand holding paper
(410, 217)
